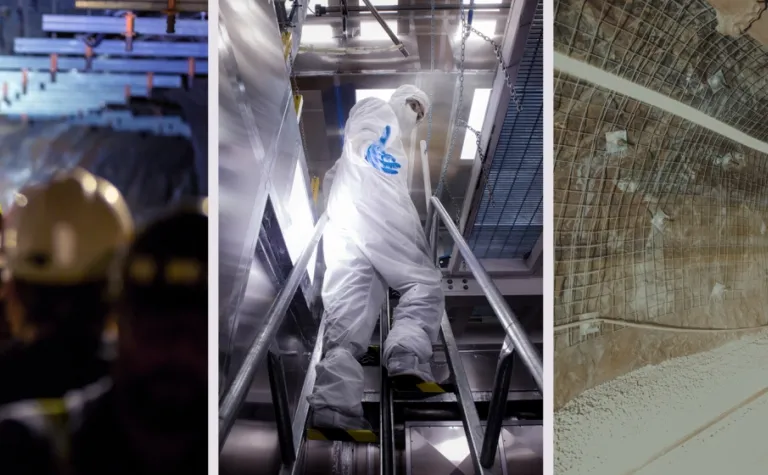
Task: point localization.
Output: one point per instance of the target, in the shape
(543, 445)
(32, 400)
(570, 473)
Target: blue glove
(378, 158)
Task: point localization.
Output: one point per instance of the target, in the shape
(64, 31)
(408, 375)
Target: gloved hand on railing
(379, 158)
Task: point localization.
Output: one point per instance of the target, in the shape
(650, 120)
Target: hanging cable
(431, 70)
(446, 161)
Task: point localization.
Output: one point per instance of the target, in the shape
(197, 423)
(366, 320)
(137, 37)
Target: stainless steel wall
(259, 150)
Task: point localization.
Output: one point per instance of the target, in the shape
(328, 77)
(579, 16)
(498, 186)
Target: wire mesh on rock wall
(671, 47)
(656, 219)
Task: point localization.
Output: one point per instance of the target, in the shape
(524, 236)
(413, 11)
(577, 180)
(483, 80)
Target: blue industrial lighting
(110, 47)
(116, 26)
(99, 65)
(78, 79)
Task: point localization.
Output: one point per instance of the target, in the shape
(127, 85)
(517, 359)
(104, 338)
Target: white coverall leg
(374, 239)
(353, 293)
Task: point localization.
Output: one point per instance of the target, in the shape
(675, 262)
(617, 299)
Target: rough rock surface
(738, 17)
(672, 227)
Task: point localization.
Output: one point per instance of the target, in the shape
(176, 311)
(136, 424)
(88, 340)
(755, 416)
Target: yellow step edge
(287, 44)
(298, 103)
(315, 184)
(430, 387)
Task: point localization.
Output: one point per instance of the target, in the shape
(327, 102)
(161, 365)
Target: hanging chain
(441, 184)
(489, 187)
(500, 59)
(466, 30)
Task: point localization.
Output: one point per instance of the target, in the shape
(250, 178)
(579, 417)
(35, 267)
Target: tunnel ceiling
(672, 47)
(657, 218)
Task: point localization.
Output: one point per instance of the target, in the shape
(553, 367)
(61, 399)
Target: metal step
(359, 436)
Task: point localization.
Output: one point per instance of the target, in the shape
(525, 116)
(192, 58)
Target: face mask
(408, 120)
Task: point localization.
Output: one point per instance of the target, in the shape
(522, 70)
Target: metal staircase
(403, 421)
(482, 441)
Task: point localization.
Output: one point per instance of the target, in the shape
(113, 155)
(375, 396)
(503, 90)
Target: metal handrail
(386, 409)
(512, 327)
(236, 393)
(302, 410)
(470, 419)
(501, 384)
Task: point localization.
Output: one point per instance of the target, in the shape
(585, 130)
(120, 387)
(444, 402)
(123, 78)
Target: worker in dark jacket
(61, 238)
(151, 417)
(154, 419)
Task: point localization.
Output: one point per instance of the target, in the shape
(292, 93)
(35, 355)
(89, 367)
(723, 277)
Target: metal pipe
(280, 397)
(405, 8)
(344, 19)
(384, 25)
(302, 409)
(386, 427)
(236, 394)
(433, 236)
(498, 402)
(512, 327)
(425, 172)
(470, 419)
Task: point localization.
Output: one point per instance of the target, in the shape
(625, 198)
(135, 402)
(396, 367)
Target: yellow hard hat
(66, 232)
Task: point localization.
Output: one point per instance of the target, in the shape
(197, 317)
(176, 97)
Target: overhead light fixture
(383, 94)
(477, 111)
(485, 2)
(372, 30)
(301, 225)
(317, 34)
(486, 27)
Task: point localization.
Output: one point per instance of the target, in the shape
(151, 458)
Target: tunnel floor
(698, 414)
(734, 443)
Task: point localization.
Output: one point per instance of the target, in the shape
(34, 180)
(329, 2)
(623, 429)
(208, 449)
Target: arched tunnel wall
(150, 170)
(671, 229)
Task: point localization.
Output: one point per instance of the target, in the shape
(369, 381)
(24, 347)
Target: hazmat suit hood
(406, 117)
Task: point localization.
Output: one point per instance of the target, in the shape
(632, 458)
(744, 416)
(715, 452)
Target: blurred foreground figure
(5, 330)
(152, 418)
(61, 238)
(374, 240)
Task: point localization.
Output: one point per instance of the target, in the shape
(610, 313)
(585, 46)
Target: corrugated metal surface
(509, 220)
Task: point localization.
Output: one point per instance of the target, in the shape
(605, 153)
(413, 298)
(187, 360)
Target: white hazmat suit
(374, 240)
